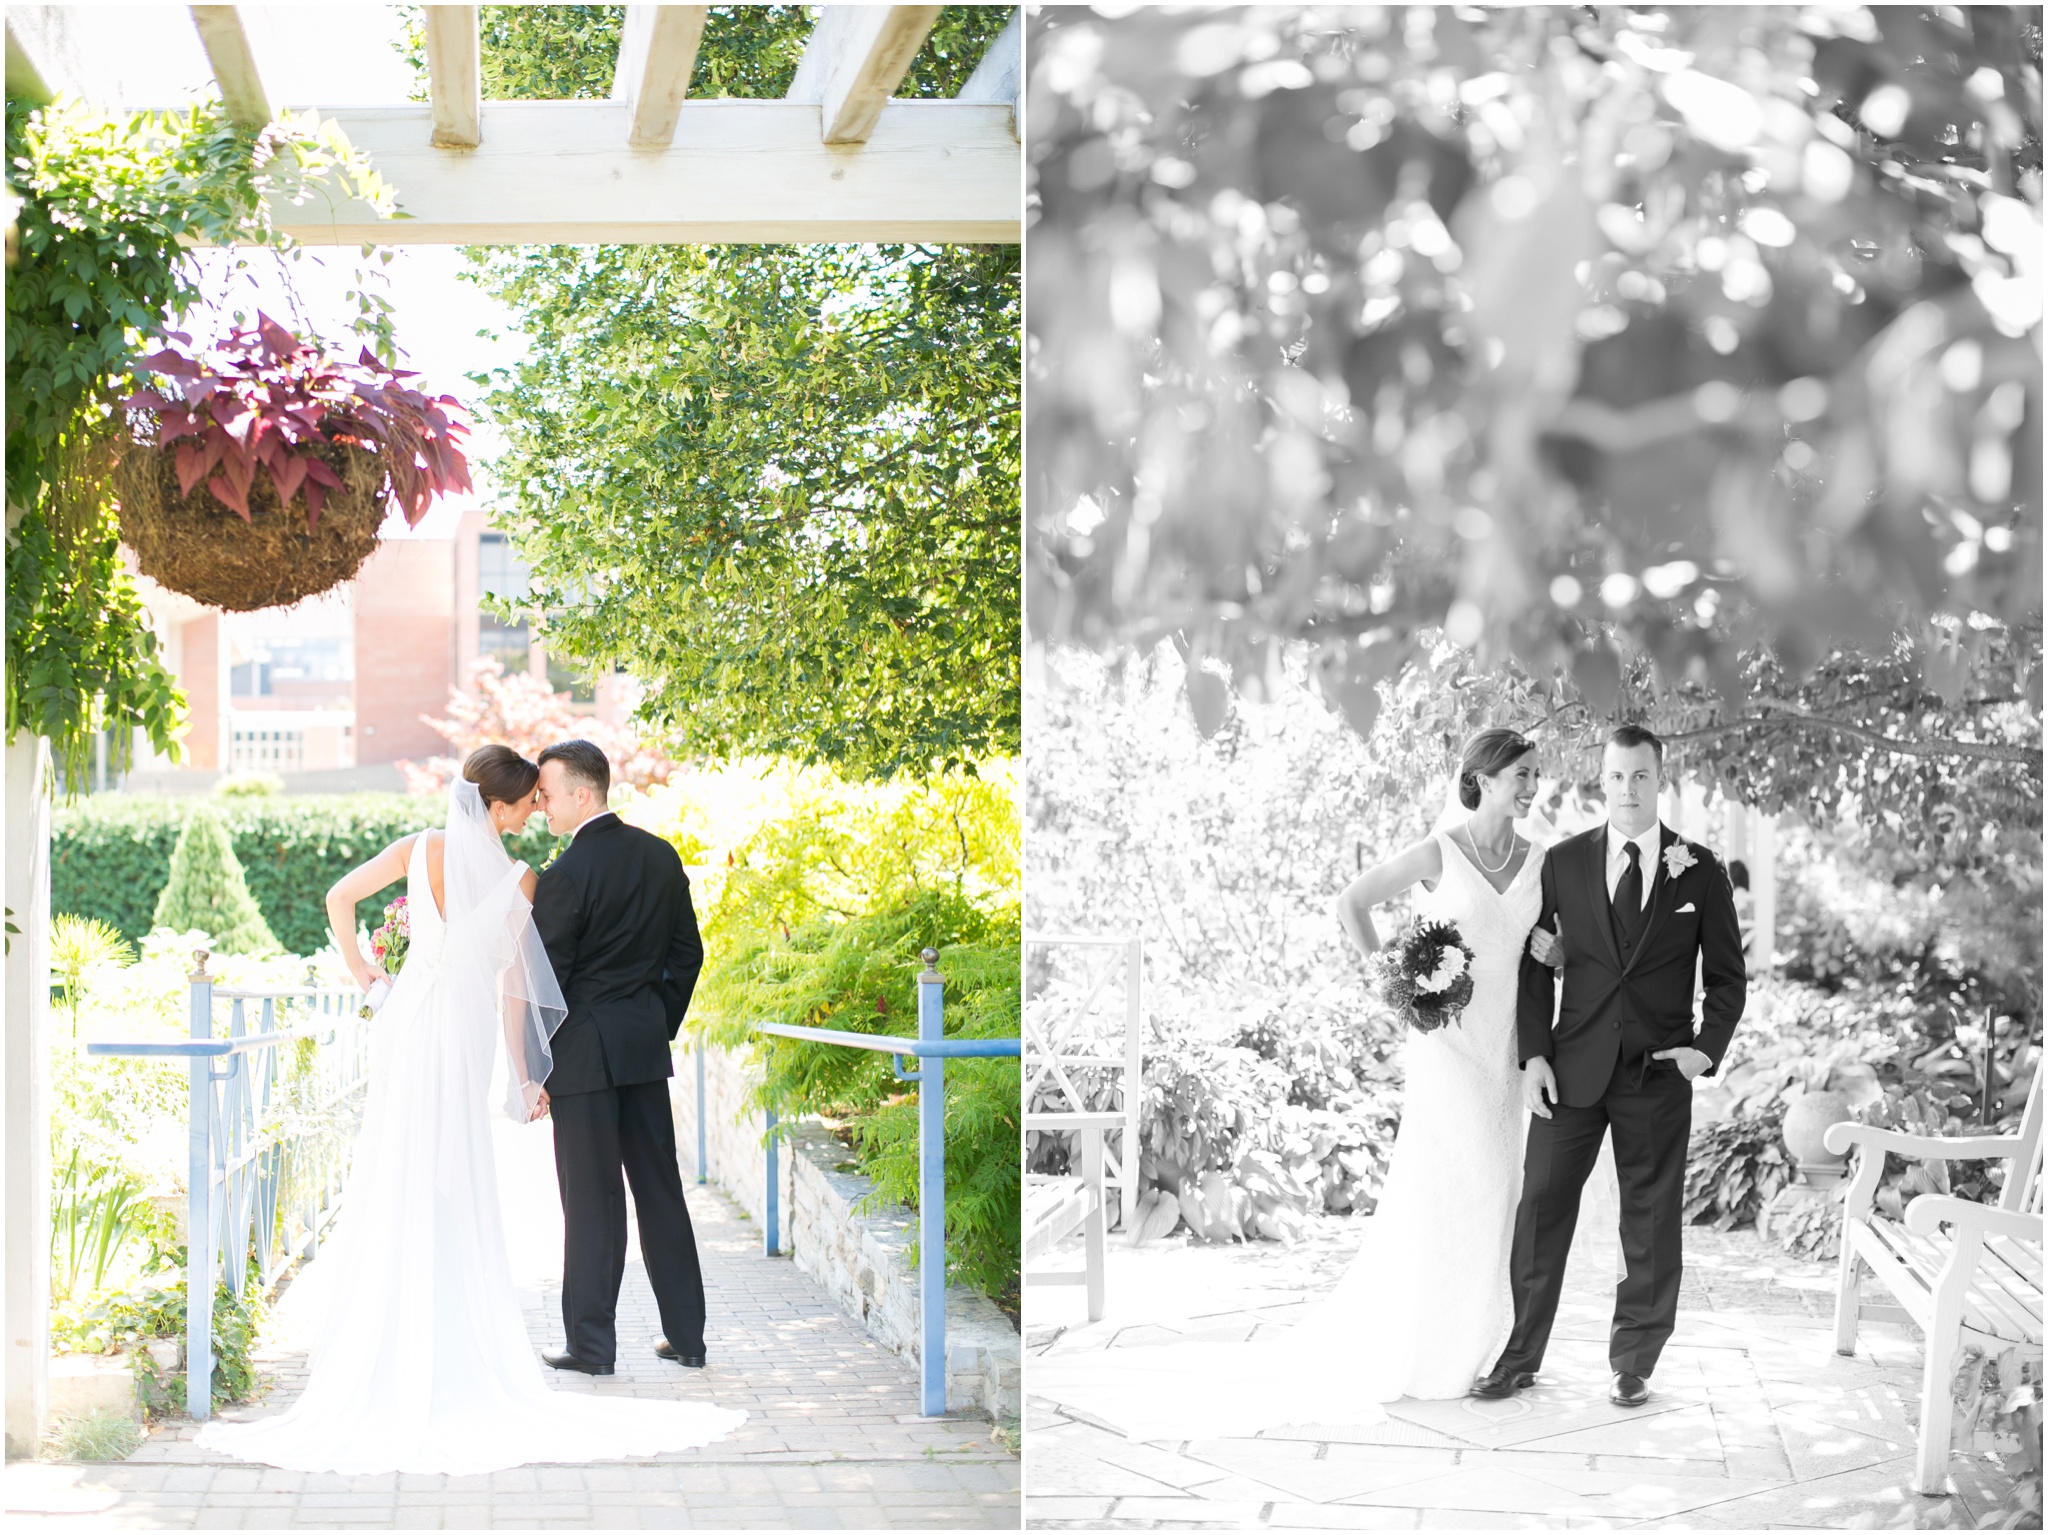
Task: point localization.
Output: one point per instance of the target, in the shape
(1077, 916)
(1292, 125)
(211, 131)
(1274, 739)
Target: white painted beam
(1000, 74)
(42, 53)
(857, 56)
(657, 52)
(560, 172)
(234, 63)
(455, 91)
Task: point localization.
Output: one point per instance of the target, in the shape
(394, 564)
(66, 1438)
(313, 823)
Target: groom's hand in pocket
(1539, 1086)
(1691, 1062)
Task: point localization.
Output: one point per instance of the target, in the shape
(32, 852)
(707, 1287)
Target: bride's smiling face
(1513, 788)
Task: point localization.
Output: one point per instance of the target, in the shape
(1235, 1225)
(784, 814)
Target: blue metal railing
(257, 1137)
(932, 1050)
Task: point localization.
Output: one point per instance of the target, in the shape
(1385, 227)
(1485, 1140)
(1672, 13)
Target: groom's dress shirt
(1617, 857)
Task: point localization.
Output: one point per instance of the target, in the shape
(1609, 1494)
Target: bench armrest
(1921, 1148)
(1926, 1214)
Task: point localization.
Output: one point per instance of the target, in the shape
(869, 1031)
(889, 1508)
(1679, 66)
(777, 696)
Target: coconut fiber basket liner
(193, 544)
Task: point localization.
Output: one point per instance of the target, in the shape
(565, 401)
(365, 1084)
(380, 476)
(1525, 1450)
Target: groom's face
(563, 802)
(1629, 775)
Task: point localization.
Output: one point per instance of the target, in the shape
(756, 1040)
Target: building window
(499, 571)
(267, 751)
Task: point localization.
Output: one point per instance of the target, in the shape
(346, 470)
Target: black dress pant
(1648, 1106)
(596, 1135)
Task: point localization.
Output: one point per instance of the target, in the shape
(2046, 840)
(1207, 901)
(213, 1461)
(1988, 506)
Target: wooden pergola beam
(738, 171)
(855, 59)
(657, 52)
(455, 91)
(1000, 74)
(226, 43)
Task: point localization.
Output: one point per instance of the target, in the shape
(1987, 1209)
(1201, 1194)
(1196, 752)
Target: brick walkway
(1756, 1423)
(833, 1439)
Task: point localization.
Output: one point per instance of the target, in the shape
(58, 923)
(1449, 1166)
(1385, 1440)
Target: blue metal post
(199, 1210)
(931, 1184)
(698, 1050)
(771, 1225)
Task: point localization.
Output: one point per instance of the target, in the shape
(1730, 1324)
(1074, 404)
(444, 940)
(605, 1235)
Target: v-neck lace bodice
(1495, 922)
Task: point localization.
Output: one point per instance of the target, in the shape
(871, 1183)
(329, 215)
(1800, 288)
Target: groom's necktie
(1628, 902)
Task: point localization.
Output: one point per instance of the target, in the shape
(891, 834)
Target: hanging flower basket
(258, 473)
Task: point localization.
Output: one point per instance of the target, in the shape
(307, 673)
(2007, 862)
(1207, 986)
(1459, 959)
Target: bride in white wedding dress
(422, 1362)
(1426, 1307)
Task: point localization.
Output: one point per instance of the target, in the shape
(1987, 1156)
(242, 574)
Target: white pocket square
(1688, 906)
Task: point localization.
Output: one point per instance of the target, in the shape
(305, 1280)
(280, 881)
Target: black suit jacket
(1613, 1011)
(614, 914)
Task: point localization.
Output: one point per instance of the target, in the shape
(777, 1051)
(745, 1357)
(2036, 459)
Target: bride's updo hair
(1486, 754)
(500, 774)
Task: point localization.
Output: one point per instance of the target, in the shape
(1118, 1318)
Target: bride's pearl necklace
(1479, 852)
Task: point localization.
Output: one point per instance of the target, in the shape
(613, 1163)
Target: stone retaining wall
(862, 1258)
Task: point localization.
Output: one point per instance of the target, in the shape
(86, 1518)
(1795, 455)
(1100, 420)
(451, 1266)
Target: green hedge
(111, 853)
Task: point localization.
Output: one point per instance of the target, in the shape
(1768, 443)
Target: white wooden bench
(1964, 1272)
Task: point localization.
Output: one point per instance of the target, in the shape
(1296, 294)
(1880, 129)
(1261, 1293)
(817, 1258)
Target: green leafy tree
(1704, 334)
(207, 891)
(777, 482)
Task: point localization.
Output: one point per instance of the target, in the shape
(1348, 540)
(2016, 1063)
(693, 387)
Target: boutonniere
(1677, 859)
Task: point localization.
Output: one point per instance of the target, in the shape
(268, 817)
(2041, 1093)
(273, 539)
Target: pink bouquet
(392, 938)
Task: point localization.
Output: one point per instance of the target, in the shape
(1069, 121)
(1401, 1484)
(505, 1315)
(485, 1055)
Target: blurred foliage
(818, 896)
(1696, 340)
(816, 447)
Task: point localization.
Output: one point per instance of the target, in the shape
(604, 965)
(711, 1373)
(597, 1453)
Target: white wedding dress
(1426, 1306)
(422, 1362)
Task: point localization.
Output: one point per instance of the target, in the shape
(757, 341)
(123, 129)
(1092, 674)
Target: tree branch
(1983, 751)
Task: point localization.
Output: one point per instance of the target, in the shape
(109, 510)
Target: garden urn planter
(1807, 1119)
(195, 545)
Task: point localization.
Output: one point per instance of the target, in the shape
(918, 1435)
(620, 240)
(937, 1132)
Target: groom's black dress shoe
(1501, 1382)
(667, 1350)
(571, 1362)
(1629, 1390)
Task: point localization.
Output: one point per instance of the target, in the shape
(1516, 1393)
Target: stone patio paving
(1756, 1423)
(833, 1439)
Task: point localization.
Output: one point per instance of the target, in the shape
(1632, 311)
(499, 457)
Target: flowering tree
(519, 710)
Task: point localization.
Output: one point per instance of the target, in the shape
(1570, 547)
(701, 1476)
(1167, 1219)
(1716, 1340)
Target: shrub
(206, 890)
(821, 895)
(153, 1310)
(111, 854)
(1734, 1168)
(97, 1435)
(860, 975)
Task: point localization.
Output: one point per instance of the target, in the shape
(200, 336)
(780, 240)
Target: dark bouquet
(1425, 974)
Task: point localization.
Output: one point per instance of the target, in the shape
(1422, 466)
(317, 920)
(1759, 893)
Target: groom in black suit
(613, 911)
(1638, 910)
